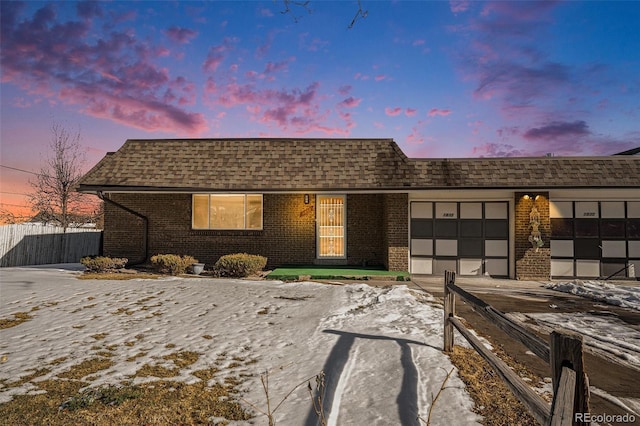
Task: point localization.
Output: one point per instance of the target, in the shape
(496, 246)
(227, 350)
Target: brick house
(364, 202)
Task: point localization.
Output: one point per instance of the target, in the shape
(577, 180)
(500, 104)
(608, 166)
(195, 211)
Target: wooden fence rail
(33, 244)
(564, 356)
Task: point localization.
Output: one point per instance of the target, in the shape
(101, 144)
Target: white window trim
(209, 228)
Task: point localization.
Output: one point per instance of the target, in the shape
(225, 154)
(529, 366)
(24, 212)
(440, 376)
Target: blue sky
(444, 79)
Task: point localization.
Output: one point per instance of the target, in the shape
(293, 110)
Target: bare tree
(304, 5)
(54, 198)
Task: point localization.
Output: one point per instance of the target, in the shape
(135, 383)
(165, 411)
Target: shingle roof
(335, 165)
(536, 172)
(252, 164)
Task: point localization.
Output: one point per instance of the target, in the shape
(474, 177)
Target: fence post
(449, 309)
(566, 351)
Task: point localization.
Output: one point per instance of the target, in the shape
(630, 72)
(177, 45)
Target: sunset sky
(444, 79)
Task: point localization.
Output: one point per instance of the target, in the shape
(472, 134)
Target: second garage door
(471, 238)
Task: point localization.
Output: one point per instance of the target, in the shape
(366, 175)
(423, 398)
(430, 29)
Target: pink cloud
(392, 112)
(378, 125)
(415, 137)
(180, 35)
(558, 129)
(114, 77)
(314, 45)
(410, 112)
(344, 90)
(441, 112)
(350, 102)
(89, 9)
(381, 77)
(496, 150)
(419, 42)
(216, 55)
(458, 6)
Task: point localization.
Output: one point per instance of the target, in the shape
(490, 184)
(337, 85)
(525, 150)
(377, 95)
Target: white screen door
(330, 217)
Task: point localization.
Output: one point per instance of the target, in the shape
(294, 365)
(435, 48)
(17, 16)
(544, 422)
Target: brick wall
(364, 230)
(288, 237)
(395, 226)
(532, 263)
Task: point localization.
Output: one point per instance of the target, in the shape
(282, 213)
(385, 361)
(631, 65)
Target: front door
(330, 223)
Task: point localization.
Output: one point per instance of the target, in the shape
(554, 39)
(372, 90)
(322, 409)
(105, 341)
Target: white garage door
(593, 239)
(471, 238)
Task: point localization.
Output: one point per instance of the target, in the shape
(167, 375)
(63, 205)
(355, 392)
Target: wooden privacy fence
(564, 355)
(34, 244)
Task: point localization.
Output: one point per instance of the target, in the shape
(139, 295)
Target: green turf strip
(289, 273)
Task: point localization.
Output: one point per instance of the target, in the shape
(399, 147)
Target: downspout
(145, 220)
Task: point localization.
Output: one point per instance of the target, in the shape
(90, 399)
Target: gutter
(145, 220)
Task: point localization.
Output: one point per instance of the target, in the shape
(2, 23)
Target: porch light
(306, 198)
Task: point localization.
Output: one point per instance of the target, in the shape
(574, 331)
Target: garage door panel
(587, 268)
(421, 228)
(614, 269)
(496, 228)
(605, 235)
(446, 247)
(496, 248)
(614, 249)
(470, 247)
(422, 247)
(421, 265)
(471, 228)
(446, 228)
(588, 248)
(422, 210)
(442, 265)
(562, 267)
(470, 267)
(496, 210)
(562, 248)
(497, 267)
(459, 237)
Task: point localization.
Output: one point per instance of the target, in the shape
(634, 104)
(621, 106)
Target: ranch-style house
(364, 202)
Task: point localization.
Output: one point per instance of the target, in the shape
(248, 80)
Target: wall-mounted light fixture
(531, 197)
(306, 198)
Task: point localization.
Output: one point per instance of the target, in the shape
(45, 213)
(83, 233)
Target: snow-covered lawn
(612, 294)
(379, 347)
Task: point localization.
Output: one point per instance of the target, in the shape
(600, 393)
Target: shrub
(99, 264)
(172, 263)
(239, 265)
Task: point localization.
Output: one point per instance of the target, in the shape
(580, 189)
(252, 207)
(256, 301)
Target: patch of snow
(617, 295)
(631, 405)
(606, 333)
(380, 348)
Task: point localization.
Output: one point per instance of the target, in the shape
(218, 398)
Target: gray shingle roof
(334, 165)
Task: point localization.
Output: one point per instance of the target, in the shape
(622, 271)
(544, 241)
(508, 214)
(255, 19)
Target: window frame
(245, 206)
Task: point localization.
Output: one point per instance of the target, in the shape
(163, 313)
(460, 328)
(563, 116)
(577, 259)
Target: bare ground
(531, 297)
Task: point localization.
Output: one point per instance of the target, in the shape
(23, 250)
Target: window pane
(587, 248)
(561, 227)
(446, 228)
(254, 211)
(200, 211)
(227, 211)
(468, 247)
(612, 228)
(587, 227)
(633, 228)
(471, 228)
(496, 228)
(421, 228)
